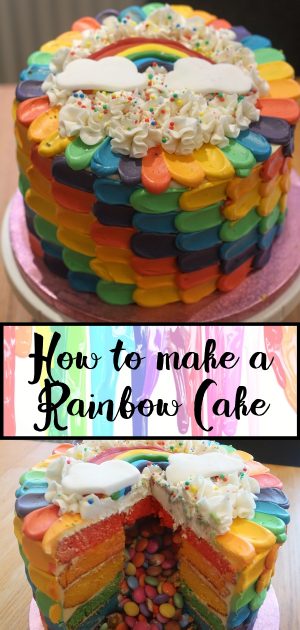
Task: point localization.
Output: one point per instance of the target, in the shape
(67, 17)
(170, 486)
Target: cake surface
(149, 535)
(154, 146)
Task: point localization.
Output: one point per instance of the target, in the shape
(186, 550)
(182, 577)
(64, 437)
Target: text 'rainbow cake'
(150, 535)
(154, 147)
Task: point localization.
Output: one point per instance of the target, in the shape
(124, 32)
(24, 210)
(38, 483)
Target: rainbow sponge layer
(164, 226)
(79, 568)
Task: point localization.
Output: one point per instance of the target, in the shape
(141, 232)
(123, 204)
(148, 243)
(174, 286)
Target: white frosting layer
(192, 499)
(139, 119)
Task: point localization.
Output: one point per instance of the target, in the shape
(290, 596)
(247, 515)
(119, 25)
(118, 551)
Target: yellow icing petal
(45, 582)
(284, 88)
(39, 184)
(251, 573)
(113, 254)
(267, 204)
(76, 241)
(184, 169)
(42, 206)
(183, 9)
(204, 195)
(276, 70)
(44, 125)
(158, 297)
(154, 282)
(194, 294)
(245, 456)
(207, 17)
(214, 163)
(237, 550)
(77, 221)
(238, 209)
(114, 271)
(53, 145)
(260, 537)
(23, 160)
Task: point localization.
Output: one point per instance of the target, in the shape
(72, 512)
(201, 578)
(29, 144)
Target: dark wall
(276, 19)
(284, 452)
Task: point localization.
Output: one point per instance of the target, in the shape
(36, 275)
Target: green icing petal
(23, 184)
(144, 201)
(39, 58)
(78, 155)
(233, 230)
(200, 220)
(282, 216)
(32, 475)
(152, 6)
(241, 158)
(267, 55)
(77, 262)
(46, 230)
(115, 293)
(270, 522)
(268, 222)
(44, 603)
(242, 599)
(258, 600)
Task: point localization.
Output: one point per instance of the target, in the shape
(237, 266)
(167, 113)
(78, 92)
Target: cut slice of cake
(149, 535)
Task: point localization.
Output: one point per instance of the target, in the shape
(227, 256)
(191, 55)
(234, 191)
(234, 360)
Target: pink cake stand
(268, 616)
(267, 295)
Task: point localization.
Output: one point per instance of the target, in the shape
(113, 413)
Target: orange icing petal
(155, 174)
(44, 125)
(61, 449)
(237, 550)
(185, 169)
(256, 468)
(37, 523)
(85, 23)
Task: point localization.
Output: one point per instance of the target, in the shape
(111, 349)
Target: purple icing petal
(153, 245)
(230, 265)
(289, 148)
(262, 258)
(113, 215)
(198, 260)
(106, 13)
(62, 173)
(275, 130)
(241, 32)
(28, 503)
(130, 170)
(273, 495)
(29, 89)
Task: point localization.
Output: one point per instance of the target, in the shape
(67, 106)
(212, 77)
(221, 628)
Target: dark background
(270, 451)
(275, 19)
(26, 24)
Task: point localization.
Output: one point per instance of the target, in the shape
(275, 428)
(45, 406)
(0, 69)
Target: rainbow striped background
(277, 385)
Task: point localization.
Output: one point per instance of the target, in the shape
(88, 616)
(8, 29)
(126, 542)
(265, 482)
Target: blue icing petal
(28, 89)
(113, 192)
(161, 223)
(29, 502)
(234, 248)
(145, 62)
(266, 240)
(235, 619)
(85, 282)
(34, 489)
(256, 143)
(133, 12)
(267, 507)
(196, 241)
(104, 160)
(52, 249)
(256, 41)
(231, 264)
(34, 73)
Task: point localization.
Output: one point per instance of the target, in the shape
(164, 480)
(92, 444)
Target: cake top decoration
(110, 73)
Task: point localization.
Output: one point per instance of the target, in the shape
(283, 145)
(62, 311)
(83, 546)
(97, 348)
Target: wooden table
(17, 456)
(11, 309)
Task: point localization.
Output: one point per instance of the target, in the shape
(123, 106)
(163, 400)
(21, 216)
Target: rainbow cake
(154, 146)
(149, 535)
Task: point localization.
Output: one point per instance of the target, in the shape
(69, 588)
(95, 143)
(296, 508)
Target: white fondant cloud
(204, 77)
(183, 466)
(111, 74)
(105, 478)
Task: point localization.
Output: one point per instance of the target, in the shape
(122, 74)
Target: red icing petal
(285, 108)
(85, 22)
(37, 523)
(30, 109)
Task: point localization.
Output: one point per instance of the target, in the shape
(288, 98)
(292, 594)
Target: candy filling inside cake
(153, 537)
(154, 146)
